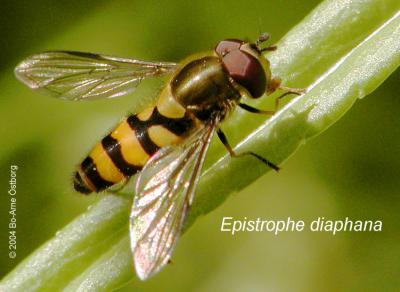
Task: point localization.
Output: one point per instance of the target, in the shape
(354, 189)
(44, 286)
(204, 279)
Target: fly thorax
(204, 88)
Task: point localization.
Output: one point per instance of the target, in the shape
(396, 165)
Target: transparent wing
(78, 76)
(164, 193)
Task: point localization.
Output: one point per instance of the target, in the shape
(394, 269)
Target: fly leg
(228, 147)
(287, 91)
(274, 85)
(118, 187)
(255, 110)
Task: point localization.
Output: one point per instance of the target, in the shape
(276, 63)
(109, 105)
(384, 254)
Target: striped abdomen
(126, 149)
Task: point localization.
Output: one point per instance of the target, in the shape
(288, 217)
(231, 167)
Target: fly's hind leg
(228, 147)
(118, 187)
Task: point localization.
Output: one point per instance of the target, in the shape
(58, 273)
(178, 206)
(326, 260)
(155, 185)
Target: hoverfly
(166, 143)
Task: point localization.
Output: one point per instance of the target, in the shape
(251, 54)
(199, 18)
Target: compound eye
(246, 70)
(226, 46)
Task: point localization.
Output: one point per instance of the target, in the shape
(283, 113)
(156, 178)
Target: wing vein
(69, 74)
(164, 193)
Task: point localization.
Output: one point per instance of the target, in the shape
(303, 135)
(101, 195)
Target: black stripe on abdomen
(79, 184)
(113, 149)
(178, 126)
(90, 170)
(140, 128)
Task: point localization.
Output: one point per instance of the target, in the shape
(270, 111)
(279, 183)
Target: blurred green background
(351, 170)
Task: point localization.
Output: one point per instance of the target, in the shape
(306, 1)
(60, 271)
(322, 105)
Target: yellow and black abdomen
(128, 147)
(199, 91)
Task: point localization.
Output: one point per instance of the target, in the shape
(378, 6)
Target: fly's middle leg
(232, 152)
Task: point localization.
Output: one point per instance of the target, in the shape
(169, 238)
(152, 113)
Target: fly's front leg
(288, 90)
(274, 85)
(228, 147)
(254, 110)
